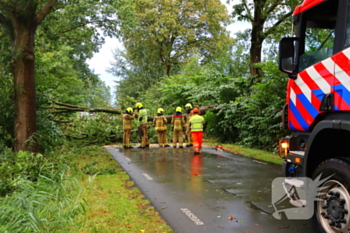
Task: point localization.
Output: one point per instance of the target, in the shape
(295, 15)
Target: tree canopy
(169, 32)
(268, 19)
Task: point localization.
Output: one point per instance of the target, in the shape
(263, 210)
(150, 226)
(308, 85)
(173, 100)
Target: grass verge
(254, 153)
(114, 204)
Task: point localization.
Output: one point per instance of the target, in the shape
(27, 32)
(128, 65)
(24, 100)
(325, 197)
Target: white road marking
(147, 176)
(192, 216)
(129, 160)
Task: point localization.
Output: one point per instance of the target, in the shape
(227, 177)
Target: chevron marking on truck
(332, 75)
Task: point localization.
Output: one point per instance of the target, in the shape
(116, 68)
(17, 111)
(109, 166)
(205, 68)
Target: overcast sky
(102, 60)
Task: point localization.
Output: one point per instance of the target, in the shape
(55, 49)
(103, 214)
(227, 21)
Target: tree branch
(45, 11)
(273, 7)
(249, 14)
(278, 23)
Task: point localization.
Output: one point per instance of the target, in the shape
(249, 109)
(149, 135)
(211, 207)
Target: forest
(175, 52)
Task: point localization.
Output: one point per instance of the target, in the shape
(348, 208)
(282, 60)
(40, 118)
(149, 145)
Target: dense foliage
(168, 32)
(245, 114)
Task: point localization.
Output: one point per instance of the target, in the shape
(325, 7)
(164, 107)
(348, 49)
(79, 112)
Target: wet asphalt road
(201, 193)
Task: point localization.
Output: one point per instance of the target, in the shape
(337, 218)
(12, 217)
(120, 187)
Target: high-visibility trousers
(162, 138)
(197, 140)
(126, 137)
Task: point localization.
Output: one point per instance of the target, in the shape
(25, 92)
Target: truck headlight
(283, 148)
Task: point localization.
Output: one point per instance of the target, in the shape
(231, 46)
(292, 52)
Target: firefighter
(197, 127)
(178, 123)
(127, 118)
(143, 123)
(188, 135)
(160, 124)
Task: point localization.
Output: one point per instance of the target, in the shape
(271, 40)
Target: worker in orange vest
(197, 127)
(160, 124)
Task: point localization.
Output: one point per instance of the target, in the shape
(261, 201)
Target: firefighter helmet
(160, 110)
(129, 110)
(138, 105)
(178, 109)
(195, 110)
(188, 105)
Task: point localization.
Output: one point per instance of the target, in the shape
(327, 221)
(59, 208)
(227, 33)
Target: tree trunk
(167, 68)
(25, 91)
(256, 41)
(255, 57)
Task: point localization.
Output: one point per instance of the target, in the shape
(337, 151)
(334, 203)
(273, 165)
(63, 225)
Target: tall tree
(267, 18)
(171, 31)
(21, 19)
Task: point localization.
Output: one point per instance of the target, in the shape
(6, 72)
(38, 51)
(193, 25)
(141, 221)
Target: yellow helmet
(160, 110)
(178, 109)
(129, 110)
(188, 105)
(138, 105)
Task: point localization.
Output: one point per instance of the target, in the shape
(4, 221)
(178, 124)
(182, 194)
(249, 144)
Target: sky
(102, 60)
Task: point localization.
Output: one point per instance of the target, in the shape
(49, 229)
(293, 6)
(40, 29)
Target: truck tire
(333, 205)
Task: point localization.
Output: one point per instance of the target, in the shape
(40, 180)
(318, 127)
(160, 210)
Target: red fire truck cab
(317, 110)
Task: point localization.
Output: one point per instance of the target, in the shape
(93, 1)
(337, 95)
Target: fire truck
(317, 111)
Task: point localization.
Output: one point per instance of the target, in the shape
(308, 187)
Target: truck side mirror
(287, 61)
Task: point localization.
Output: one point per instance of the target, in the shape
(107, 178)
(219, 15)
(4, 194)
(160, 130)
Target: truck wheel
(333, 205)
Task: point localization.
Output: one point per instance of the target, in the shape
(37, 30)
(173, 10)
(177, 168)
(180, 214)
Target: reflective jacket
(127, 121)
(143, 116)
(160, 123)
(178, 122)
(197, 123)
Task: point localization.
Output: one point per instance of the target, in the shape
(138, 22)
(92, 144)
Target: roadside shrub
(48, 205)
(94, 129)
(218, 127)
(49, 134)
(16, 167)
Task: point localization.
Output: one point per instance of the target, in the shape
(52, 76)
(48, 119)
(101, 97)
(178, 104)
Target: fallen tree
(67, 108)
(113, 135)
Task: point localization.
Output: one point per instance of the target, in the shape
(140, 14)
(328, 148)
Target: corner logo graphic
(293, 198)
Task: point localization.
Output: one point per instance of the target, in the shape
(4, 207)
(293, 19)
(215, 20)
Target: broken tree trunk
(65, 108)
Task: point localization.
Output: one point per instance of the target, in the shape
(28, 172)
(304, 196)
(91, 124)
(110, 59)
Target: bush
(48, 205)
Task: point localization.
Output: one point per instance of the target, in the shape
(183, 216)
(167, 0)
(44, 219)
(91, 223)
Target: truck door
(311, 92)
(341, 86)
